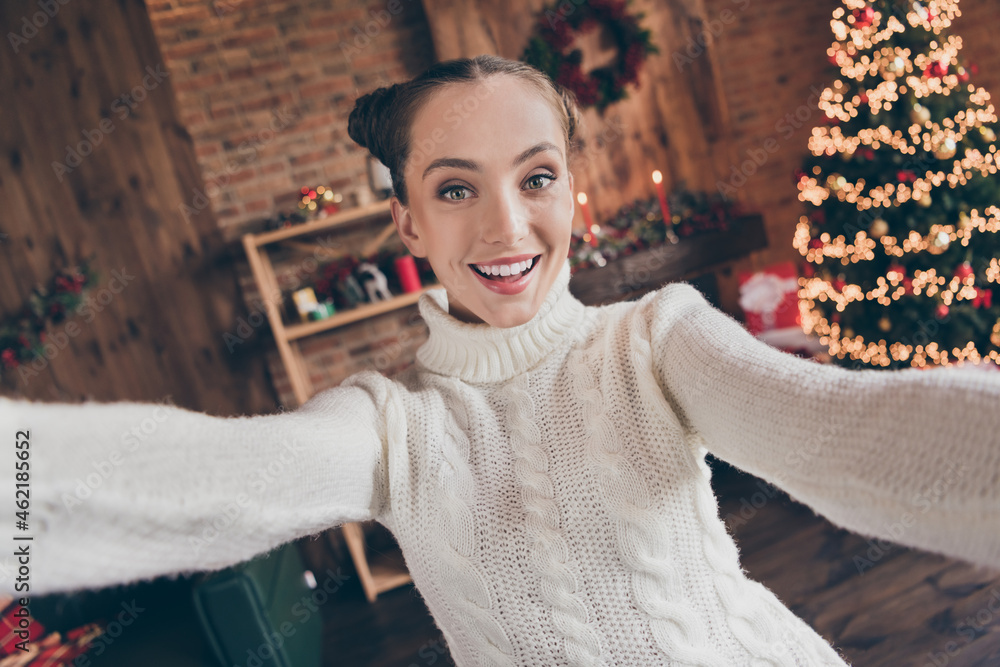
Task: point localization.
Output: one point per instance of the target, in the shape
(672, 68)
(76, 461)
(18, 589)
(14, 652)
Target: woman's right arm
(120, 492)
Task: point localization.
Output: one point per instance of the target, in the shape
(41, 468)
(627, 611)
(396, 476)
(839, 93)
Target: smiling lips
(506, 279)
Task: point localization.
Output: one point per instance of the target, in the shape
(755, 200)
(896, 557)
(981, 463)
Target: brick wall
(265, 89)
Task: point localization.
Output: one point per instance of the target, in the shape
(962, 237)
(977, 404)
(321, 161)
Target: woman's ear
(406, 229)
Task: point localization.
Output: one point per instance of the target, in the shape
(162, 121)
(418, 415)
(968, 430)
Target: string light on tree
(902, 191)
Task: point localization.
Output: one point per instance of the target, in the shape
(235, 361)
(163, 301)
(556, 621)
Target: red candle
(592, 229)
(406, 270)
(664, 206)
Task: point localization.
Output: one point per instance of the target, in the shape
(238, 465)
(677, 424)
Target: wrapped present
(769, 298)
(24, 642)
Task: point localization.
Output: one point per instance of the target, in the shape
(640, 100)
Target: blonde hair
(381, 121)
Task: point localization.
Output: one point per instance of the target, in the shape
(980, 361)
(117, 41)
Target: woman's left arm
(909, 455)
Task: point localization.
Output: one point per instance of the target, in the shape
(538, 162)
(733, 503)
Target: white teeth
(505, 269)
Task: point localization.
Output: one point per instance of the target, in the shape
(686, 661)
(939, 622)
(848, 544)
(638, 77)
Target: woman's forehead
(500, 114)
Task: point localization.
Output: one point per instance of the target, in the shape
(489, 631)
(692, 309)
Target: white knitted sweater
(546, 482)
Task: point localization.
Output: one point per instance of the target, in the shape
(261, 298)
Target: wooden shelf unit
(377, 576)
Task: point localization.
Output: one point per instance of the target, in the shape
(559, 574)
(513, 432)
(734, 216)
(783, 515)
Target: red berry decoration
(964, 270)
(863, 17)
(936, 69)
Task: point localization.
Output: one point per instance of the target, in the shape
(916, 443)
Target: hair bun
(366, 124)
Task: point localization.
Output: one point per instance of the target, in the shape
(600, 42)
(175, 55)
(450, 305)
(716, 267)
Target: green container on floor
(257, 613)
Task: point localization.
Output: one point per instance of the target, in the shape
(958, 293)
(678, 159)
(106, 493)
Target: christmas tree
(902, 196)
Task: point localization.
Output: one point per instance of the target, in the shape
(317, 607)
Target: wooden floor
(908, 609)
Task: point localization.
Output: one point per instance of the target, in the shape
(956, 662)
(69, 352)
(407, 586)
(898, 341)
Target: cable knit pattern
(643, 542)
(471, 591)
(560, 584)
(547, 482)
(760, 636)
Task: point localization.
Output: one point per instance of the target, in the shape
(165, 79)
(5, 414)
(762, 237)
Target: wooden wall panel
(161, 334)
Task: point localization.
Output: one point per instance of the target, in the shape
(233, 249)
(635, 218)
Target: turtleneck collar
(483, 353)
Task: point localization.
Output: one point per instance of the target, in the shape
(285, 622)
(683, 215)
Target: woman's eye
(537, 181)
(455, 193)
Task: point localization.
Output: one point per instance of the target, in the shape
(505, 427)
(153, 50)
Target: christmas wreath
(558, 26)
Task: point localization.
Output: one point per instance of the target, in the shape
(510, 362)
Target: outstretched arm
(909, 455)
(126, 491)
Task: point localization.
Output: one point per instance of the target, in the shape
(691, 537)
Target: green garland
(639, 225)
(22, 337)
(560, 23)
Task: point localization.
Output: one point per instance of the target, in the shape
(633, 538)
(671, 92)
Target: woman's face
(488, 185)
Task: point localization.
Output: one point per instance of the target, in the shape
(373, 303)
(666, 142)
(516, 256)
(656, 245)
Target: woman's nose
(506, 222)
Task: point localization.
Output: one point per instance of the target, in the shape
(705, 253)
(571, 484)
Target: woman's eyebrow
(470, 165)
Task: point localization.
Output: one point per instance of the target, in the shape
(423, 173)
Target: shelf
(384, 571)
(388, 570)
(296, 331)
(340, 219)
(633, 275)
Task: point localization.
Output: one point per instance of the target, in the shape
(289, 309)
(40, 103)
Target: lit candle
(588, 221)
(664, 206)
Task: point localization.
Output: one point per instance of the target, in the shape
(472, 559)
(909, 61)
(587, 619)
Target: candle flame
(657, 177)
(581, 197)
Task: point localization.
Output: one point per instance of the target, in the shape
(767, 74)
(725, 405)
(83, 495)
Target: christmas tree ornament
(964, 271)
(988, 134)
(936, 69)
(942, 311)
(863, 17)
(885, 324)
(965, 223)
(920, 114)
(878, 229)
(946, 150)
(925, 201)
(939, 243)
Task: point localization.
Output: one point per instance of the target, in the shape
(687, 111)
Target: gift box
(24, 642)
(769, 298)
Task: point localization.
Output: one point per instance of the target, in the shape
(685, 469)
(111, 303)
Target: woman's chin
(509, 316)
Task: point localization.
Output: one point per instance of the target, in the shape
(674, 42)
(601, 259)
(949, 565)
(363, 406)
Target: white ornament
(375, 282)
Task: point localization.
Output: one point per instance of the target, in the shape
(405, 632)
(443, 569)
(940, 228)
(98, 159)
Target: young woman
(542, 465)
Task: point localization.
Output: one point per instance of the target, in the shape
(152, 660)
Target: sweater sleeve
(127, 491)
(909, 455)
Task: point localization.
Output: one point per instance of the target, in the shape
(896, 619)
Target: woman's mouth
(507, 273)
(516, 279)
